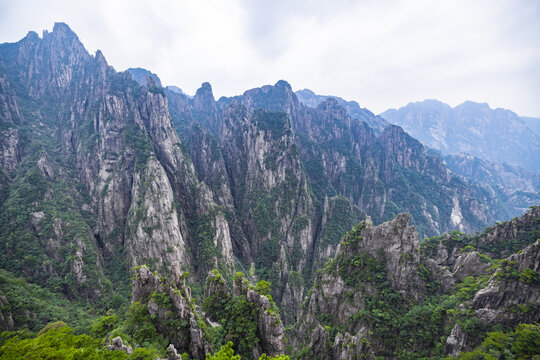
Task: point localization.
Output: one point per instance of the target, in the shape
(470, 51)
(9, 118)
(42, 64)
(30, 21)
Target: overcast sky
(380, 53)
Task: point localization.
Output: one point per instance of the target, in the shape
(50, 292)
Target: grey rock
(6, 318)
(191, 339)
(118, 344)
(269, 325)
(393, 243)
(456, 342)
(512, 300)
(469, 264)
(352, 347)
(172, 353)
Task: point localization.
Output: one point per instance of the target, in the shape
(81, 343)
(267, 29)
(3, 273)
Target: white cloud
(382, 54)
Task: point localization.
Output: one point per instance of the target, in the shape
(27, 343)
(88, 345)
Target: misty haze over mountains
(495, 135)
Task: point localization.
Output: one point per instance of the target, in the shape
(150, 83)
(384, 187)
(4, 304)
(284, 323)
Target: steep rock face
(139, 187)
(392, 240)
(154, 218)
(271, 195)
(211, 169)
(354, 110)
(343, 155)
(344, 346)
(10, 152)
(472, 128)
(457, 341)
(169, 302)
(180, 108)
(512, 295)
(516, 187)
(469, 264)
(405, 166)
(511, 236)
(269, 326)
(339, 216)
(352, 346)
(258, 309)
(205, 109)
(469, 255)
(6, 318)
(201, 108)
(369, 261)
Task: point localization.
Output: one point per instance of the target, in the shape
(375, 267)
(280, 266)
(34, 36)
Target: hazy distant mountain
(140, 74)
(175, 89)
(516, 187)
(532, 123)
(354, 110)
(472, 128)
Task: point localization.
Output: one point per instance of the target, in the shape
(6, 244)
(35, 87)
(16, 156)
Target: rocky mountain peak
(278, 97)
(330, 104)
(370, 262)
(205, 109)
(62, 38)
(140, 75)
(284, 85)
(100, 57)
(63, 30)
(31, 36)
(204, 93)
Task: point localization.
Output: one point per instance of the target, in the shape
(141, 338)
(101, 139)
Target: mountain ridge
(102, 174)
(473, 128)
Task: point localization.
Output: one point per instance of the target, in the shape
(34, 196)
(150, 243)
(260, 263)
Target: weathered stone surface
(511, 299)
(191, 339)
(172, 353)
(456, 342)
(318, 345)
(395, 245)
(469, 264)
(269, 325)
(522, 230)
(118, 344)
(352, 347)
(6, 318)
(116, 138)
(270, 186)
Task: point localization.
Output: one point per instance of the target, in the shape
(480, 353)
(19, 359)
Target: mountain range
(109, 180)
(496, 135)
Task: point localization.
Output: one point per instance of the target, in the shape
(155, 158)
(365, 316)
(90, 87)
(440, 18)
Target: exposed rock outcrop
(470, 264)
(512, 295)
(140, 196)
(502, 240)
(262, 312)
(169, 302)
(6, 318)
(456, 342)
(271, 196)
(367, 259)
(352, 347)
(118, 344)
(269, 325)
